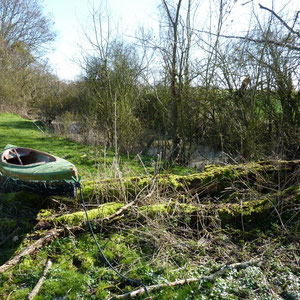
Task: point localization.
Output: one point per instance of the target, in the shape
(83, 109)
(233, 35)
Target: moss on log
(211, 181)
(251, 211)
(78, 218)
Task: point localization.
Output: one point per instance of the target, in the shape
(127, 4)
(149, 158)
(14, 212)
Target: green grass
(78, 272)
(90, 161)
(21, 132)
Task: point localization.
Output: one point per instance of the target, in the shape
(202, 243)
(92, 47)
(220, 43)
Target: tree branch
(50, 236)
(211, 277)
(38, 286)
(292, 47)
(280, 19)
(55, 233)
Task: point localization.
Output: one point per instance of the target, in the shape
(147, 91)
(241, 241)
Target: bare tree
(23, 22)
(267, 110)
(172, 65)
(175, 46)
(290, 28)
(111, 74)
(24, 33)
(290, 41)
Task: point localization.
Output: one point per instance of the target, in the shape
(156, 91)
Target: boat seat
(11, 157)
(25, 157)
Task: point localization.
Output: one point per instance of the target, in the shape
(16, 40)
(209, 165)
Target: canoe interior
(25, 156)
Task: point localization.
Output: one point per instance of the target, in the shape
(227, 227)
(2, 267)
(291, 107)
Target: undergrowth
(175, 229)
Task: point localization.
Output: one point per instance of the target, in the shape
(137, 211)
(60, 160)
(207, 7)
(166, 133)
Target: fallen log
(260, 208)
(212, 180)
(226, 212)
(78, 218)
(196, 215)
(105, 213)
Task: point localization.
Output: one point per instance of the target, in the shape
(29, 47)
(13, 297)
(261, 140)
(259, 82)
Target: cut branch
(50, 236)
(211, 277)
(38, 286)
(118, 212)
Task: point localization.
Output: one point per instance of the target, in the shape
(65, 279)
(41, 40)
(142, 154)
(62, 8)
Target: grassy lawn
(90, 161)
(21, 132)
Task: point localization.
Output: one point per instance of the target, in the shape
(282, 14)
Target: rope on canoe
(78, 185)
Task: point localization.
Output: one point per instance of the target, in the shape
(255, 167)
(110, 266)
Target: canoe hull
(34, 171)
(49, 188)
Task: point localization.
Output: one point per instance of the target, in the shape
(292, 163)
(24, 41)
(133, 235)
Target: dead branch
(118, 212)
(211, 277)
(127, 206)
(37, 287)
(257, 41)
(280, 19)
(48, 237)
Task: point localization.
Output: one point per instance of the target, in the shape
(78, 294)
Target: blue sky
(71, 15)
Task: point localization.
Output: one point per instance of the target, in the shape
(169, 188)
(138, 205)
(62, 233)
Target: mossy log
(211, 181)
(193, 213)
(78, 218)
(237, 214)
(105, 213)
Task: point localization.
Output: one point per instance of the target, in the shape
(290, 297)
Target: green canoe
(32, 170)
